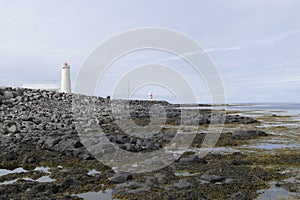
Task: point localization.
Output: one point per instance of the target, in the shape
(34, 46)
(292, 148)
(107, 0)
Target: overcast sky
(254, 44)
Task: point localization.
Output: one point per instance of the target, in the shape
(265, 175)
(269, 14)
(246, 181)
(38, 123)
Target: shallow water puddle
(270, 146)
(276, 193)
(21, 170)
(43, 169)
(93, 172)
(103, 195)
(6, 171)
(43, 179)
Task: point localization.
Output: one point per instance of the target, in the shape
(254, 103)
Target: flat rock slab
(212, 178)
(12, 129)
(182, 183)
(248, 134)
(192, 158)
(120, 177)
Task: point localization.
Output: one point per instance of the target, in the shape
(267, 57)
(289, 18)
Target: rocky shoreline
(40, 129)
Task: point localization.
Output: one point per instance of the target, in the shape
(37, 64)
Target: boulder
(212, 178)
(41, 126)
(192, 158)
(248, 134)
(12, 129)
(182, 183)
(5, 140)
(8, 94)
(65, 146)
(2, 98)
(120, 177)
(240, 196)
(78, 144)
(51, 141)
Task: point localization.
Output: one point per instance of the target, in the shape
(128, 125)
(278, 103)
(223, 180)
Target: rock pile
(52, 120)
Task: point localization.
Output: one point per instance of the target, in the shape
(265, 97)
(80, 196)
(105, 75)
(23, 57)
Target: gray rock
(5, 140)
(86, 156)
(120, 177)
(239, 119)
(212, 178)
(19, 98)
(229, 180)
(240, 196)
(182, 183)
(41, 126)
(19, 136)
(3, 129)
(1, 99)
(160, 178)
(29, 160)
(201, 181)
(12, 129)
(78, 144)
(131, 187)
(65, 145)
(50, 142)
(248, 134)
(8, 94)
(2, 190)
(192, 158)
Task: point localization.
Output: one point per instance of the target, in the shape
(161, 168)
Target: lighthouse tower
(65, 78)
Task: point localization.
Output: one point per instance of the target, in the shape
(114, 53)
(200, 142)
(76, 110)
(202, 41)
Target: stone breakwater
(41, 128)
(45, 119)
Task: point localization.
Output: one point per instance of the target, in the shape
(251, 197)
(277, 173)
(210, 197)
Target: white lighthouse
(65, 78)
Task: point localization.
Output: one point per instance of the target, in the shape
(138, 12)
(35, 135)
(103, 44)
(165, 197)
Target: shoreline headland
(42, 155)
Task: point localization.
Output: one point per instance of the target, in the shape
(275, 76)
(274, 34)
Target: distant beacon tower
(150, 96)
(65, 78)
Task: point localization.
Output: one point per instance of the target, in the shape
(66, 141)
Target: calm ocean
(288, 108)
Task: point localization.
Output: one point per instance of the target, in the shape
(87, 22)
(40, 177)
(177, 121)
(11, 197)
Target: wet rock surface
(212, 178)
(43, 128)
(120, 177)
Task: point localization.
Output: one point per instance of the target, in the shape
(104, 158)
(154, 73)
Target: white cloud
(175, 57)
(224, 49)
(272, 39)
(256, 43)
